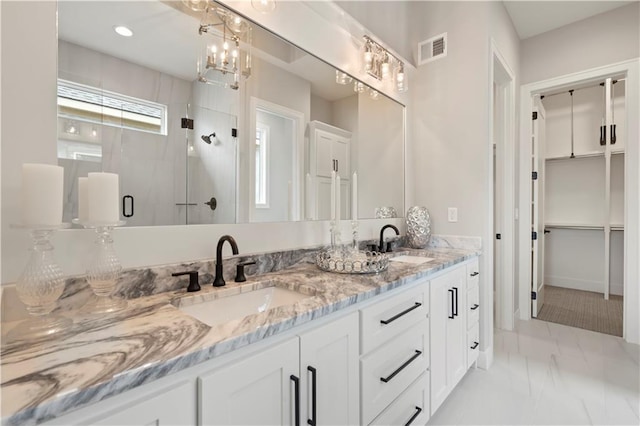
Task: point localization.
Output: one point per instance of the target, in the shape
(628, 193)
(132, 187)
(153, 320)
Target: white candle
(83, 199)
(354, 196)
(333, 195)
(104, 198)
(41, 195)
(309, 194)
(338, 198)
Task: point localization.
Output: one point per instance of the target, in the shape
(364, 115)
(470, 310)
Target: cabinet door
(324, 156)
(440, 311)
(341, 155)
(257, 390)
(330, 355)
(457, 329)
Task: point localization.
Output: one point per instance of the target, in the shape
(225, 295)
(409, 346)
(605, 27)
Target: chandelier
(381, 64)
(226, 55)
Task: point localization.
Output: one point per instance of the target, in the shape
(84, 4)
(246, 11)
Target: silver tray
(350, 262)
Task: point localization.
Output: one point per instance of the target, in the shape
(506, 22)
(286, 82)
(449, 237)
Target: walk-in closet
(578, 206)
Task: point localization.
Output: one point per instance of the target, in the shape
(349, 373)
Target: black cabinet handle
(613, 134)
(451, 293)
(312, 420)
(455, 313)
(296, 396)
(337, 166)
(416, 414)
(603, 135)
(475, 306)
(475, 345)
(402, 367)
(475, 274)
(406, 311)
(124, 206)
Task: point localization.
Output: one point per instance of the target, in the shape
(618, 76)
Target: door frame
(631, 69)
(297, 177)
(505, 138)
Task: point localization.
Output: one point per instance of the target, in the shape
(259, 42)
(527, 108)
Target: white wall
(602, 39)
(29, 87)
(320, 109)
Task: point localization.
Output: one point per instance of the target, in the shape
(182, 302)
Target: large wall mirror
(209, 118)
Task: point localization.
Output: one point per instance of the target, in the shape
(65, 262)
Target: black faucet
(219, 279)
(381, 246)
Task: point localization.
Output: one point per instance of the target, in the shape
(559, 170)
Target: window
(262, 162)
(93, 105)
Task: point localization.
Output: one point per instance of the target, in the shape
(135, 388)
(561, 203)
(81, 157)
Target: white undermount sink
(239, 305)
(417, 260)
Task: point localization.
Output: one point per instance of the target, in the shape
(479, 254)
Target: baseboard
(616, 288)
(485, 358)
(584, 285)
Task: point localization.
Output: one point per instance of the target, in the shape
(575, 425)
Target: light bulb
(358, 87)
(374, 95)
(385, 69)
(214, 49)
(264, 6)
(234, 53)
(368, 61)
(225, 46)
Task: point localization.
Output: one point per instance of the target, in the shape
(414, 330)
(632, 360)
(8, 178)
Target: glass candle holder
(39, 287)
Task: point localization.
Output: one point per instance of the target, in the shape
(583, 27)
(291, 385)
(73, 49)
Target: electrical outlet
(452, 214)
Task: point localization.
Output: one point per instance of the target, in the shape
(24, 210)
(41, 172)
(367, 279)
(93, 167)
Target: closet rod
(581, 88)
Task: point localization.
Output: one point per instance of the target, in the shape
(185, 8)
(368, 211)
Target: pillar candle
(41, 194)
(337, 197)
(333, 195)
(104, 198)
(83, 199)
(354, 196)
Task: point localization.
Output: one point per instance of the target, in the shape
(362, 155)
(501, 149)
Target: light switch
(453, 214)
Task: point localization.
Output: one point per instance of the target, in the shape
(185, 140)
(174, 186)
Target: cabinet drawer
(389, 318)
(411, 408)
(473, 273)
(388, 371)
(473, 304)
(473, 344)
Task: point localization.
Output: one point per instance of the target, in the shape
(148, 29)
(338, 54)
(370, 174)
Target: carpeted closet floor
(582, 309)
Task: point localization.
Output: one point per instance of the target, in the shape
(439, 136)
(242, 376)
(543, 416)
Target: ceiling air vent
(432, 49)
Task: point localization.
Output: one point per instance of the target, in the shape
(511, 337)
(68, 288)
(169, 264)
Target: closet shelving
(584, 186)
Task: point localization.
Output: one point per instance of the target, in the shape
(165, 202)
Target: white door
(537, 216)
(329, 374)
(259, 390)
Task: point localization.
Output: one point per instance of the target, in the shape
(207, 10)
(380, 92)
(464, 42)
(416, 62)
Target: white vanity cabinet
(258, 390)
(448, 325)
(395, 354)
(318, 369)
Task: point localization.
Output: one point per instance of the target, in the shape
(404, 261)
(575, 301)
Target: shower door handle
(124, 206)
(212, 203)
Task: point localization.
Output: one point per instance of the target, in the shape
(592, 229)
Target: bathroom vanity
(352, 349)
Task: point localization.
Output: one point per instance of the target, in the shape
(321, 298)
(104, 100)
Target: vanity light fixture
(381, 64)
(227, 47)
(123, 31)
(343, 78)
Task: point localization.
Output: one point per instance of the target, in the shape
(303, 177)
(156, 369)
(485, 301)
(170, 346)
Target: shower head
(207, 139)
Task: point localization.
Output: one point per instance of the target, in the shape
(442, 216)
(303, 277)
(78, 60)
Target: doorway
(503, 217)
(586, 223)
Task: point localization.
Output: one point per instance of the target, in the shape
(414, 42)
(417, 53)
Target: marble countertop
(101, 356)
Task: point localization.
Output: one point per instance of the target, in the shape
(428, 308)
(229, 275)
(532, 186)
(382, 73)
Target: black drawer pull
(406, 311)
(124, 209)
(475, 345)
(312, 420)
(402, 367)
(416, 414)
(296, 386)
(475, 306)
(455, 313)
(452, 302)
(475, 274)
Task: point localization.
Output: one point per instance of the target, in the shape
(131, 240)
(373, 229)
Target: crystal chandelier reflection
(226, 55)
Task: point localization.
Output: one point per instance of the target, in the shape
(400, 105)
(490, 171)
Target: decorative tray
(352, 262)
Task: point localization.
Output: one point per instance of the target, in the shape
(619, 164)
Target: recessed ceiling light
(123, 31)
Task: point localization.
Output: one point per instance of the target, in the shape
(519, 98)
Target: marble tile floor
(549, 374)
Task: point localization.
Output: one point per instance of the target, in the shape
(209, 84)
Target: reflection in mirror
(195, 145)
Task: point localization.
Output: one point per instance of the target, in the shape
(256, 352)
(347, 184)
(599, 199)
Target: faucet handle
(194, 285)
(240, 277)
